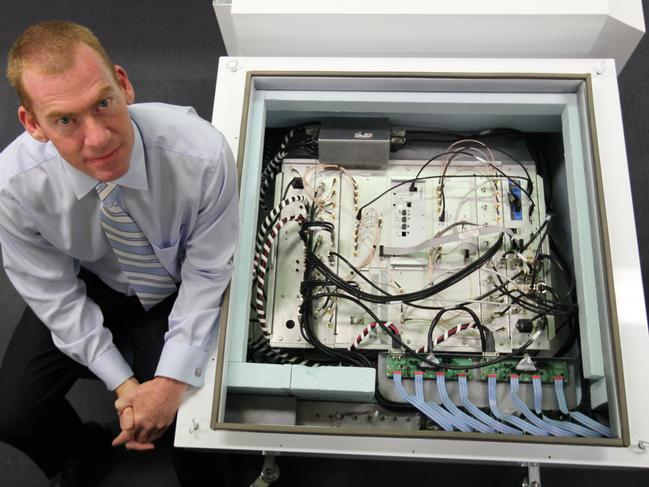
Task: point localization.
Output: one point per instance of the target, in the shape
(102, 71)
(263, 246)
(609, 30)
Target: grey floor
(170, 50)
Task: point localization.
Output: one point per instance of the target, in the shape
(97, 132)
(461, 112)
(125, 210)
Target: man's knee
(15, 422)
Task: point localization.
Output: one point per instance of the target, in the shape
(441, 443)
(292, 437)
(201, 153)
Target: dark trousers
(35, 376)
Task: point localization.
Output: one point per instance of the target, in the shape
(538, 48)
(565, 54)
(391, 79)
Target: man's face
(83, 111)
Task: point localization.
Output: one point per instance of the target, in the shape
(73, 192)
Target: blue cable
(419, 388)
(566, 425)
(420, 405)
(533, 418)
(455, 411)
(576, 415)
(482, 416)
(510, 418)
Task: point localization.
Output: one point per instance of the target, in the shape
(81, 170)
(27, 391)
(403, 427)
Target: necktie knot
(108, 193)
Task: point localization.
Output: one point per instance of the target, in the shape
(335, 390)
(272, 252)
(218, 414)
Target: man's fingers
(143, 435)
(122, 403)
(148, 436)
(122, 438)
(139, 446)
(126, 420)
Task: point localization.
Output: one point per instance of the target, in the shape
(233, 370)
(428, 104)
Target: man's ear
(125, 84)
(31, 125)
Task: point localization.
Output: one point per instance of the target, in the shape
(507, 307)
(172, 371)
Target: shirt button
(198, 372)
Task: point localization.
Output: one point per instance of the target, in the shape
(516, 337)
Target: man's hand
(146, 411)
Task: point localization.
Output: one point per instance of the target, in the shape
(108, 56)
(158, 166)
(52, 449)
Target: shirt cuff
(182, 362)
(111, 368)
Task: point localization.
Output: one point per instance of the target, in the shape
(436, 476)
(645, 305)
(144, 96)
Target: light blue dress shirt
(181, 189)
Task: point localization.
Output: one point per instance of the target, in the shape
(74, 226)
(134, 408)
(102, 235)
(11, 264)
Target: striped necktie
(150, 281)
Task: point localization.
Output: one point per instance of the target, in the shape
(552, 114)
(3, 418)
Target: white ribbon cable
(437, 241)
(455, 411)
(533, 418)
(576, 415)
(439, 410)
(566, 425)
(420, 405)
(482, 416)
(510, 418)
(538, 394)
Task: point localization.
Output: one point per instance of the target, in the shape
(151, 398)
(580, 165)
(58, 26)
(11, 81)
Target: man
(118, 225)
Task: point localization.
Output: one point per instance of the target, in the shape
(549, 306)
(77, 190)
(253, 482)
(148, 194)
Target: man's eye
(104, 103)
(64, 121)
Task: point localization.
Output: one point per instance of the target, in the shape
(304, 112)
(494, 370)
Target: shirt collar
(134, 178)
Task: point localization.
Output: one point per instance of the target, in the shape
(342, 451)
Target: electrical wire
(565, 425)
(433, 411)
(576, 415)
(509, 418)
(454, 410)
(531, 417)
(473, 409)
(419, 391)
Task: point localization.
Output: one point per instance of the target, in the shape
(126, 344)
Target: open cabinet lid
(421, 28)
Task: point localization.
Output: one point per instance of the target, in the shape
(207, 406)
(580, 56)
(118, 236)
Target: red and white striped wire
(367, 330)
(447, 334)
(269, 220)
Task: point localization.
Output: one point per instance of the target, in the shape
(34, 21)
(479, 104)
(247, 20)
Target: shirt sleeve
(47, 279)
(205, 273)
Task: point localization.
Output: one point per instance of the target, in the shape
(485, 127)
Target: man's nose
(96, 133)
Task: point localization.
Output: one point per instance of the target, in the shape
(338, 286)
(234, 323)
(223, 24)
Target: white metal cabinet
(568, 92)
(420, 28)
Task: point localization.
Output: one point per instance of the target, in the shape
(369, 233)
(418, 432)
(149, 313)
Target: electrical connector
(524, 325)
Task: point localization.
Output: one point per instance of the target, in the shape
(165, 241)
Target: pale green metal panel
(340, 383)
(583, 238)
(259, 378)
(240, 288)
